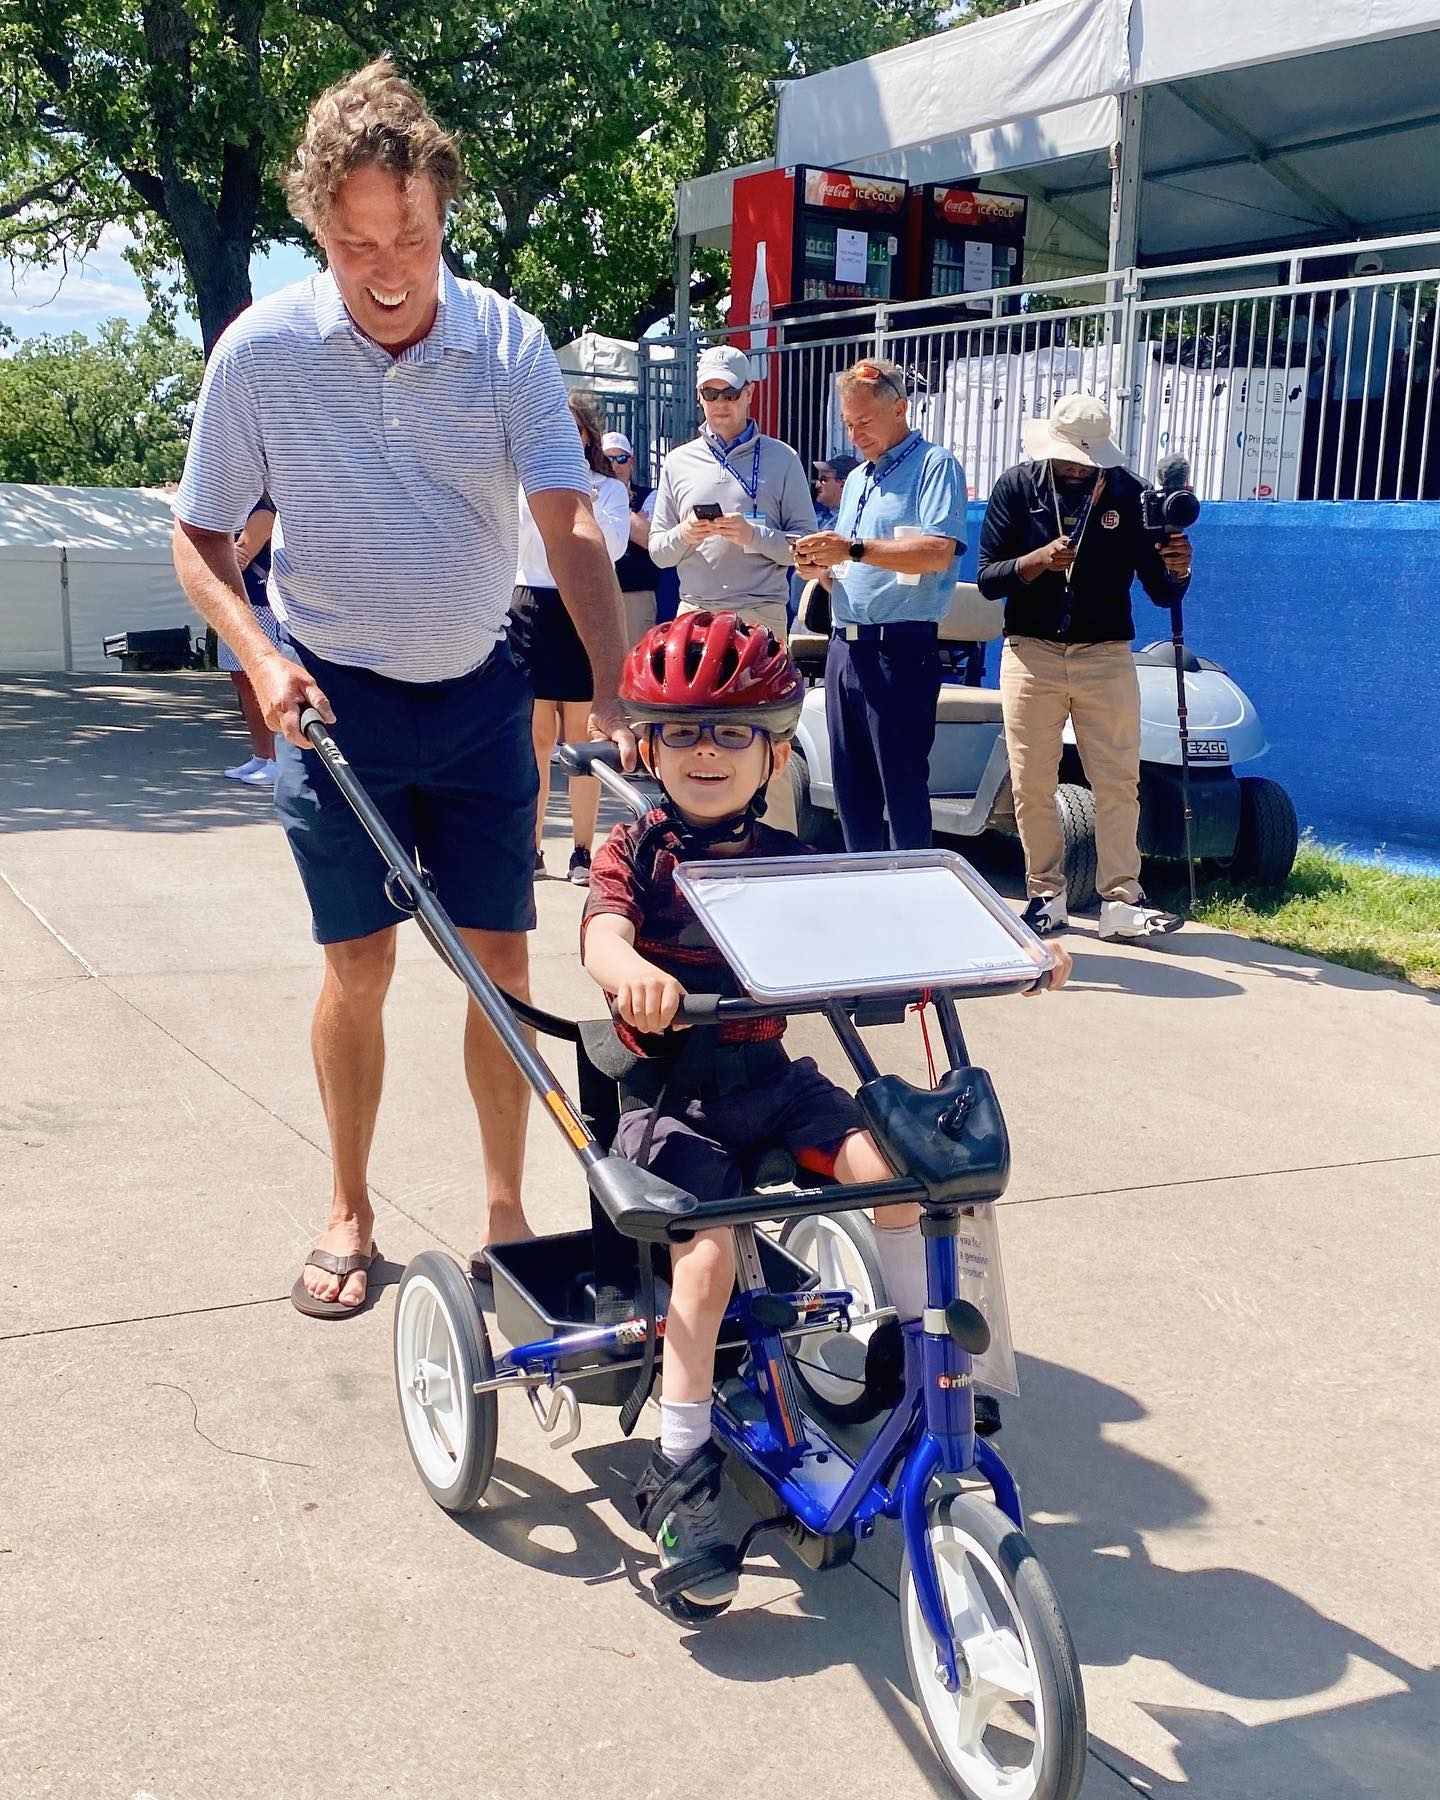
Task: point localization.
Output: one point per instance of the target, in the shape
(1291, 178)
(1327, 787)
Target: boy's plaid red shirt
(667, 933)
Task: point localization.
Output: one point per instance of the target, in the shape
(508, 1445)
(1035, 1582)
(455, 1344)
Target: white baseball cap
(723, 362)
(1078, 430)
(615, 443)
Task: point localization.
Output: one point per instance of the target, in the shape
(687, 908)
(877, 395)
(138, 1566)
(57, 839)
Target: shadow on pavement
(1230, 1629)
(122, 753)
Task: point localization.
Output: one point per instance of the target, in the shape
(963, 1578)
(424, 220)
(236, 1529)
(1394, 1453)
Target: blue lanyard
(877, 475)
(752, 486)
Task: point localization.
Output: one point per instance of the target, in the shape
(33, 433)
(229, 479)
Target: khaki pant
(1095, 686)
(779, 797)
(637, 614)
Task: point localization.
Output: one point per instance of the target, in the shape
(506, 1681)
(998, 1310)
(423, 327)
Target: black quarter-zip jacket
(1113, 552)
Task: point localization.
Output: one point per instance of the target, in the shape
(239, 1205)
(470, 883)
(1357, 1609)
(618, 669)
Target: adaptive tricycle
(990, 1656)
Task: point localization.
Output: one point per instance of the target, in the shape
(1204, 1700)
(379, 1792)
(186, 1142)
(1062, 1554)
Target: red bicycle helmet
(701, 664)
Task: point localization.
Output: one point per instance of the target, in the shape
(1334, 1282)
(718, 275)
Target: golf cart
(1242, 826)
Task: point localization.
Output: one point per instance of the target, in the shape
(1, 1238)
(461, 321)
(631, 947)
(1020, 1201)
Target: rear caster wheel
(441, 1350)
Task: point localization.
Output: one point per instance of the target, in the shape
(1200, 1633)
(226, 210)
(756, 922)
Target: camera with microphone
(1171, 504)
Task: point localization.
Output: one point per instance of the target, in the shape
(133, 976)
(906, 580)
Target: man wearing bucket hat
(1061, 545)
(727, 506)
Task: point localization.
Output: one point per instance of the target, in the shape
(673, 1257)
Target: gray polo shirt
(718, 574)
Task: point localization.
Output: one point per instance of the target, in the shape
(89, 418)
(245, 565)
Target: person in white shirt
(546, 646)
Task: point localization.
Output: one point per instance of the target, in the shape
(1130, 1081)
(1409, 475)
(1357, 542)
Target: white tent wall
(115, 574)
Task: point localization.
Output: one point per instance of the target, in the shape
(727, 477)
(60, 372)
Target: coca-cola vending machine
(809, 241)
(964, 241)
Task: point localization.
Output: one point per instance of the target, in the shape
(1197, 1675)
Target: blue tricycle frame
(951, 1141)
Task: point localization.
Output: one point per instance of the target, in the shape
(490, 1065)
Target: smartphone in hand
(709, 510)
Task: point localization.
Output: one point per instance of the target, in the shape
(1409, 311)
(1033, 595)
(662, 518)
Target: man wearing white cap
(1061, 545)
(727, 506)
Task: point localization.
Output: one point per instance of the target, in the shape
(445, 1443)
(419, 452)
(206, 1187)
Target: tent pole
(65, 610)
(683, 246)
(1125, 171)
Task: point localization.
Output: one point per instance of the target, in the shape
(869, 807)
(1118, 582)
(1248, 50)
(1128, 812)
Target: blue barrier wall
(1328, 615)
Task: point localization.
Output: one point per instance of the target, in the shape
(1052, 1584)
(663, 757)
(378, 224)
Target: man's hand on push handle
(607, 721)
(284, 690)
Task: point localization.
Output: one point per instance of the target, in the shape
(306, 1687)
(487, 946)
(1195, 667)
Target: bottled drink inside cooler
(820, 272)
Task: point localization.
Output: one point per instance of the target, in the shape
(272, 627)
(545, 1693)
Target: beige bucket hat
(1077, 430)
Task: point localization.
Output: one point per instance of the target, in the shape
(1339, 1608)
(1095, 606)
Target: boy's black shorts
(698, 1146)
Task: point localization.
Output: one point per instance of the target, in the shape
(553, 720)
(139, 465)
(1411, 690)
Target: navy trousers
(880, 696)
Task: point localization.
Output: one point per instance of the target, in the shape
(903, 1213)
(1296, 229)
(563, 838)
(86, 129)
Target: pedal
(987, 1415)
(773, 1312)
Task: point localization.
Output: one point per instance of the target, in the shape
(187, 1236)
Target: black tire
(1269, 835)
(812, 825)
(435, 1283)
(1031, 1593)
(1076, 807)
(820, 1352)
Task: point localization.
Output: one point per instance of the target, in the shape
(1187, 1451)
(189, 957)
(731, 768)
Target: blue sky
(56, 300)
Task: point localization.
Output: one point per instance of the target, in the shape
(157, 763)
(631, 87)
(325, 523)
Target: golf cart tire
(1269, 835)
(813, 825)
(1076, 807)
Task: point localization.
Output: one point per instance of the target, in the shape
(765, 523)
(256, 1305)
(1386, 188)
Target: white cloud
(53, 296)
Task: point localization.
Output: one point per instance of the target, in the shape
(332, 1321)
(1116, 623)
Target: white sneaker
(1046, 915)
(1121, 919)
(262, 775)
(241, 770)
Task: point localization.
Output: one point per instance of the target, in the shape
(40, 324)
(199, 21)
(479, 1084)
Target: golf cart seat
(810, 635)
(970, 618)
(968, 706)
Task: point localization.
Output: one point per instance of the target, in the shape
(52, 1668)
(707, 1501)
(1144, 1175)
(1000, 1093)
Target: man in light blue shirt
(392, 413)
(890, 567)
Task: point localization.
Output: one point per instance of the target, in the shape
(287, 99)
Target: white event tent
(1143, 131)
(77, 564)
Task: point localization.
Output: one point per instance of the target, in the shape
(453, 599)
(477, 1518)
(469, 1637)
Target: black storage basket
(545, 1288)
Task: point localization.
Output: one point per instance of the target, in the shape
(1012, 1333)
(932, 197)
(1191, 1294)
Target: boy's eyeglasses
(727, 734)
(721, 393)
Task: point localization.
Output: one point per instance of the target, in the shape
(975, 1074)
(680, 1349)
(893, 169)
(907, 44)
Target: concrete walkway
(219, 1575)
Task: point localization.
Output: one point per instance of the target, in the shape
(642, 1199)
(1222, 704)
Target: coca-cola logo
(853, 193)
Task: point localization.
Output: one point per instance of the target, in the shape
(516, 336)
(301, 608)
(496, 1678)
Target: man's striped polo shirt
(396, 479)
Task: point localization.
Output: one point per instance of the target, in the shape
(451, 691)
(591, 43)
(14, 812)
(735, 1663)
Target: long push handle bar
(413, 895)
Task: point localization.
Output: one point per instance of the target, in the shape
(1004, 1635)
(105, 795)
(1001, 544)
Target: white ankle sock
(902, 1263)
(684, 1428)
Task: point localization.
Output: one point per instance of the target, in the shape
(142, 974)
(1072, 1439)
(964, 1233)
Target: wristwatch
(857, 549)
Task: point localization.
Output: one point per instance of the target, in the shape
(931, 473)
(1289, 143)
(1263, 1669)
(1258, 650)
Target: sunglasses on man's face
(685, 734)
(713, 395)
(620, 456)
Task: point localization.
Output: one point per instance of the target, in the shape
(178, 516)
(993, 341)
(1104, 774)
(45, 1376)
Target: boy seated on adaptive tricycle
(716, 702)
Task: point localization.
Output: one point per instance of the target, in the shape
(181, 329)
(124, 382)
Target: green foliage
(109, 412)
(1359, 914)
(175, 118)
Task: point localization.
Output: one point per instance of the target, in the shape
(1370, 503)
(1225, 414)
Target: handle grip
(581, 759)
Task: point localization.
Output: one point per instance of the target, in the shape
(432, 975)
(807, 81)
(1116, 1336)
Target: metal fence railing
(1272, 389)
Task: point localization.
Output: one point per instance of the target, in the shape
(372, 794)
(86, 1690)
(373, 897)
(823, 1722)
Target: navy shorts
(451, 766)
(698, 1146)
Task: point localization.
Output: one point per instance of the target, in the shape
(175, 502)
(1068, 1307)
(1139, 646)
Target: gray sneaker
(689, 1525)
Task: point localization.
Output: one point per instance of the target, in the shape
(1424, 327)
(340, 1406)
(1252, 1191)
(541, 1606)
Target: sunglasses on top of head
(714, 394)
(725, 734)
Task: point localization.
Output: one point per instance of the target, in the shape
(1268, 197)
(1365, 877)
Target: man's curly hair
(372, 119)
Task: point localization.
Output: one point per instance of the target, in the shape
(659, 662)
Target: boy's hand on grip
(649, 1003)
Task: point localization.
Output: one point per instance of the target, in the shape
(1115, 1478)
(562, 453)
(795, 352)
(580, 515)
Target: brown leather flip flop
(304, 1301)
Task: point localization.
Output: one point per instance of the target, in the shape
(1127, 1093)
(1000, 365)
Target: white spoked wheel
(441, 1350)
(1016, 1728)
(830, 1366)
